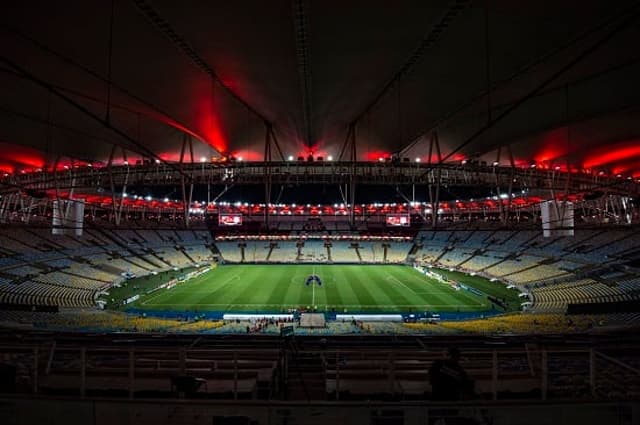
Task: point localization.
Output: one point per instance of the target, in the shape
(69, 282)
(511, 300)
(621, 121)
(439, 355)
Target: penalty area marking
(390, 278)
(161, 292)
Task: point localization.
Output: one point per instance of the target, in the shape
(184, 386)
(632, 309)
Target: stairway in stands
(305, 377)
(184, 252)
(357, 249)
(442, 254)
(271, 247)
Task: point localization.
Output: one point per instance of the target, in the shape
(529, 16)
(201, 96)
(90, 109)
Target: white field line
(161, 292)
(393, 279)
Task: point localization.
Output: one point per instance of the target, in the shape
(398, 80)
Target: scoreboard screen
(398, 220)
(230, 220)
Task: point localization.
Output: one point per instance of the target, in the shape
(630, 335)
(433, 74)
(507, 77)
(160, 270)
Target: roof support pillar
(5, 207)
(352, 181)
(267, 172)
(27, 212)
(56, 184)
(111, 182)
(186, 199)
(3, 203)
(117, 208)
(434, 191)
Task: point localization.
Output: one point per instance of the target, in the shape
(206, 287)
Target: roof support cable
(630, 19)
(521, 71)
(107, 117)
(181, 44)
(141, 149)
(429, 40)
(176, 123)
(487, 58)
(301, 29)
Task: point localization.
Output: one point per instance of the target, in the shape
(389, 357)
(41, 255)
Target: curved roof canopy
(78, 78)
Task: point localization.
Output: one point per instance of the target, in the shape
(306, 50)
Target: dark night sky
(589, 116)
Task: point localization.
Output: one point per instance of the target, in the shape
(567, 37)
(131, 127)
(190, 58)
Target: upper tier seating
(396, 251)
(230, 251)
(69, 271)
(256, 251)
(341, 252)
(284, 252)
(314, 251)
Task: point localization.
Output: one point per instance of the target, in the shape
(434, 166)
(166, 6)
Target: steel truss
(323, 172)
(608, 209)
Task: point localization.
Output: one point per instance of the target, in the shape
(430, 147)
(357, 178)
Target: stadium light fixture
(203, 159)
(418, 159)
(290, 158)
(330, 158)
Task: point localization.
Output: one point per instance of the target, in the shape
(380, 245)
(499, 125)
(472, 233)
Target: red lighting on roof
(208, 121)
(613, 154)
(376, 155)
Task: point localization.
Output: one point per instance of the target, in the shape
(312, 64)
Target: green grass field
(354, 288)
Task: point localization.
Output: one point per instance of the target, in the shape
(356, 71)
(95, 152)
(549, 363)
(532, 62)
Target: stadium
(303, 211)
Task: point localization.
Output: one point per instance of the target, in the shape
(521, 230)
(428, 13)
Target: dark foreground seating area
(342, 368)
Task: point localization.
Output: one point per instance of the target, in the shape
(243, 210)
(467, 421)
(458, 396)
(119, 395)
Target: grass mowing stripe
(388, 288)
(360, 288)
(278, 292)
(381, 290)
(396, 291)
(433, 292)
(297, 293)
(346, 292)
(331, 285)
(464, 298)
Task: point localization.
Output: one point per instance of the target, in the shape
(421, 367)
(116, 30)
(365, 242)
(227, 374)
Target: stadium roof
(563, 77)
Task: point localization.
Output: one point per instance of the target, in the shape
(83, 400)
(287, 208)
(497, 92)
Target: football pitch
(343, 288)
